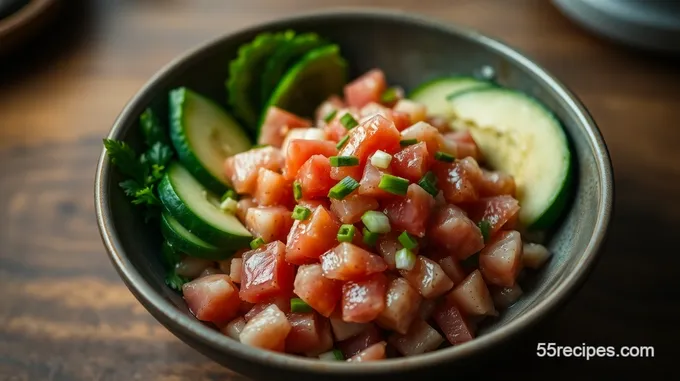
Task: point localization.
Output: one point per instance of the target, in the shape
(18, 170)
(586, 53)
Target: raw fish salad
(342, 218)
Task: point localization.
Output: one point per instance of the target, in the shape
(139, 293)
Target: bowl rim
(158, 305)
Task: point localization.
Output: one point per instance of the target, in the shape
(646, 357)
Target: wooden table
(65, 314)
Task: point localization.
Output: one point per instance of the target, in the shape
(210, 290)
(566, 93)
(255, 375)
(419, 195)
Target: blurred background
(67, 68)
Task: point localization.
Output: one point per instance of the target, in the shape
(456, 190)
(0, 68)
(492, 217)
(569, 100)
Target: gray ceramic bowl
(410, 50)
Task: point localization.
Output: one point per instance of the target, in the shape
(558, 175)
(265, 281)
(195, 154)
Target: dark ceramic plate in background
(410, 50)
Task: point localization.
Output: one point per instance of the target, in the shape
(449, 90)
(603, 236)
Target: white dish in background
(644, 24)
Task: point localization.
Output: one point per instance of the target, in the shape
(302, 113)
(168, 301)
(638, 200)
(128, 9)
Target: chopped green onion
(343, 188)
(376, 222)
(342, 142)
(301, 213)
(393, 184)
(229, 205)
(230, 194)
(297, 190)
(407, 241)
(381, 159)
(429, 183)
(408, 142)
(344, 161)
(346, 233)
(334, 355)
(330, 116)
(443, 156)
(405, 259)
(370, 238)
(298, 305)
(390, 95)
(257, 242)
(348, 121)
(485, 227)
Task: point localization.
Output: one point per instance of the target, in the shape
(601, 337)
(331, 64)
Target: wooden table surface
(65, 314)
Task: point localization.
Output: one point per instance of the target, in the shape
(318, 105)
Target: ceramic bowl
(410, 50)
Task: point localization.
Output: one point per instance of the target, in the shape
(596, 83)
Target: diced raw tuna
(364, 300)
(357, 343)
(267, 330)
(235, 269)
(300, 150)
(325, 339)
(373, 353)
(417, 112)
(495, 183)
(453, 269)
(334, 129)
(412, 212)
(234, 328)
(365, 89)
(428, 278)
(501, 259)
(312, 237)
(243, 205)
(421, 338)
(305, 333)
(242, 168)
(368, 185)
(412, 162)
(424, 132)
(213, 298)
(465, 144)
(321, 293)
(452, 323)
(343, 330)
(276, 125)
(401, 306)
(266, 274)
(457, 180)
(282, 302)
(333, 103)
(472, 296)
(498, 211)
(273, 189)
(377, 133)
(388, 245)
(272, 223)
(349, 262)
(315, 177)
(350, 209)
(451, 229)
(504, 297)
(534, 255)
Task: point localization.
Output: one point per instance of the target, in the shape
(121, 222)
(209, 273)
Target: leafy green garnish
(175, 281)
(143, 171)
(485, 227)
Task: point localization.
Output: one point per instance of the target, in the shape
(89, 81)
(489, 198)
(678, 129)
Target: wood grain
(65, 314)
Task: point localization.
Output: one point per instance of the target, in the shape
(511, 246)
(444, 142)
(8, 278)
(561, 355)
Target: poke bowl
(352, 193)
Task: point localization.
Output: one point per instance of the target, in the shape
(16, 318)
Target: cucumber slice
(433, 94)
(198, 211)
(245, 73)
(319, 74)
(284, 58)
(518, 135)
(204, 135)
(181, 240)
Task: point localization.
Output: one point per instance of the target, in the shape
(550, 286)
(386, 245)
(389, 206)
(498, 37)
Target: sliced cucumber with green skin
(204, 135)
(519, 136)
(434, 93)
(181, 240)
(319, 74)
(197, 210)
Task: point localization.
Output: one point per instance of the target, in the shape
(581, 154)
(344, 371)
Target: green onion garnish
(348, 121)
(343, 188)
(376, 222)
(229, 205)
(230, 194)
(334, 355)
(429, 183)
(342, 142)
(405, 259)
(257, 242)
(407, 241)
(346, 233)
(408, 142)
(297, 190)
(301, 213)
(344, 161)
(298, 305)
(485, 227)
(370, 238)
(330, 116)
(390, 95)
(443, 156)
(381, 159)
(393, 184)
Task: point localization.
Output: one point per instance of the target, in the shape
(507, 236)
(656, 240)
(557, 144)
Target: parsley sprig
(143, 171)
